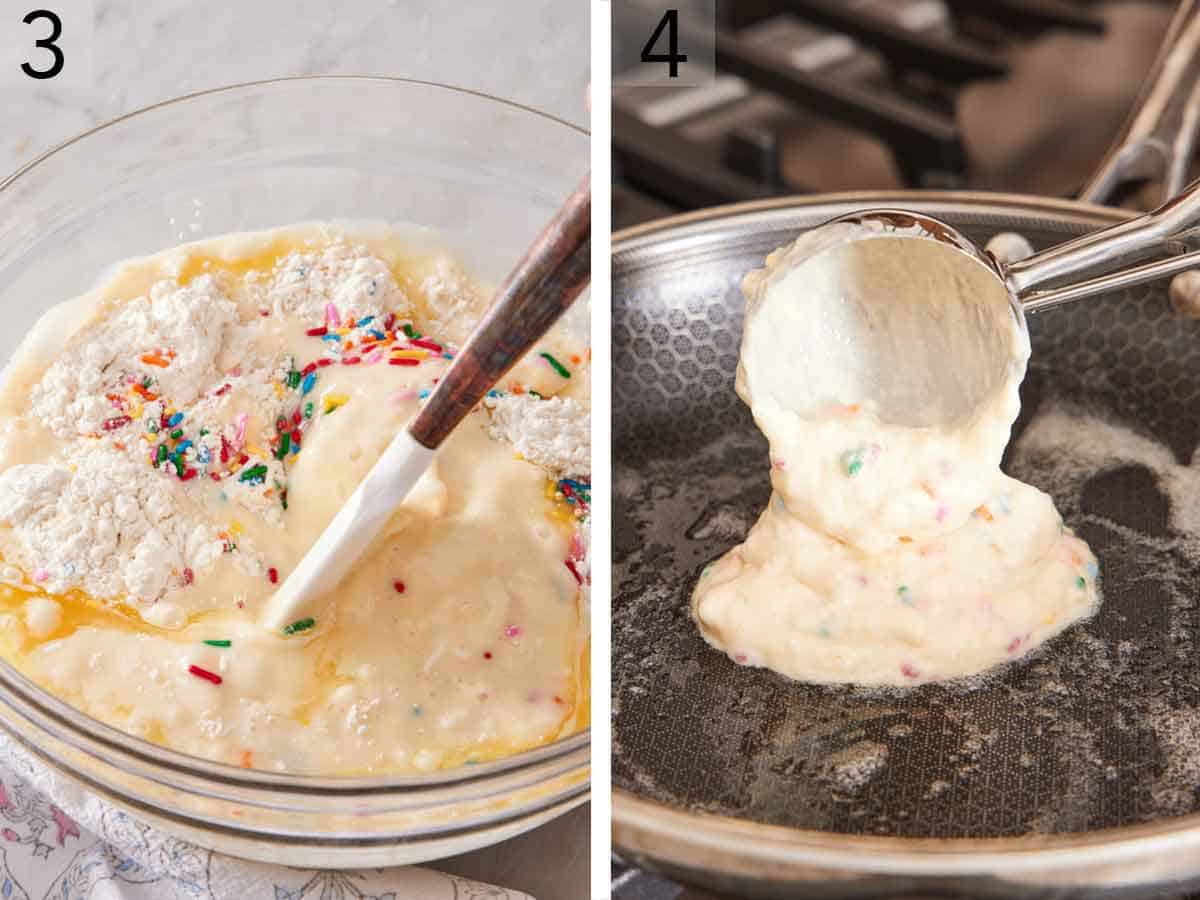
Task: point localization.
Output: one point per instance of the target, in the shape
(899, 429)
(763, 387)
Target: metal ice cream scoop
(924, 318)
(919, 321)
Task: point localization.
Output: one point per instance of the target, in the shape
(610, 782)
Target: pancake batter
(890, 554)
(174, 441)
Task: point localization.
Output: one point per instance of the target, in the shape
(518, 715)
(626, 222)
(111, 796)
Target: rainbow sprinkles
(185, 451)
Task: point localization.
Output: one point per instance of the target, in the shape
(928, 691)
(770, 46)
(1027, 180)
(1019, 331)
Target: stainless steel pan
(1076, 771)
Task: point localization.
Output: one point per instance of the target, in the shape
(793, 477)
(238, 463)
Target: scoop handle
(551, 274)
(1159, 136)
(1117, 248)
(1161, 130)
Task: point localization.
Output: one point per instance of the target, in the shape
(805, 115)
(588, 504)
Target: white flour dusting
(111, 527)
(553, 433)
(451, 298)
(355, 282)
(197, 321)
(114, 526)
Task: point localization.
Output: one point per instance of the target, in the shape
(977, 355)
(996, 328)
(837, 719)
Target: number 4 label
(669, 23)
(657, 46)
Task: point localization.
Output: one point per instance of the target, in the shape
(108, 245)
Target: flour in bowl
(106, 525)
(552, 432)
(173, 442)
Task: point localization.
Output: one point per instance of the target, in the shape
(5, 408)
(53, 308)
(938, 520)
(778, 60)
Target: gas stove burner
(826, 95)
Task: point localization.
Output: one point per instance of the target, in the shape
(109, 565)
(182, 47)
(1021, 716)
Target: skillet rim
(696, 840)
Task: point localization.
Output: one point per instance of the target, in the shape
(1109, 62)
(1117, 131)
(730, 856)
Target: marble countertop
(532, 51)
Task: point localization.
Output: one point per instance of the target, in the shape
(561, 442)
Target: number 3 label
(46, 43)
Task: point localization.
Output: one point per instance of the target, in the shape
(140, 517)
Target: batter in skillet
(174, 441)
(888, 555)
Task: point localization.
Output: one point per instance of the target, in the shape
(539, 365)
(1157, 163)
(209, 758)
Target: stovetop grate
(883, 79)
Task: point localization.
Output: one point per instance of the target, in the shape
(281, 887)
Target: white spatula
(553, 272)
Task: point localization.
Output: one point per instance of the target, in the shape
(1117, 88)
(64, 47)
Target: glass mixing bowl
(485, 173)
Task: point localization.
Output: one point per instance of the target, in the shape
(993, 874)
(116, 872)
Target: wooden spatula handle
(536, 293)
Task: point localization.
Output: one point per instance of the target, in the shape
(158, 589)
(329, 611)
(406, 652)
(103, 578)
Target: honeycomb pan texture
(1100, 728)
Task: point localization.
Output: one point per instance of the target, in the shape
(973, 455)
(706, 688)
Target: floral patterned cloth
(46, 854)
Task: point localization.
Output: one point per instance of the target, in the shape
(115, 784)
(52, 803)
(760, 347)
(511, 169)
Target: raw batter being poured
(175, 440)
(894, 550)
